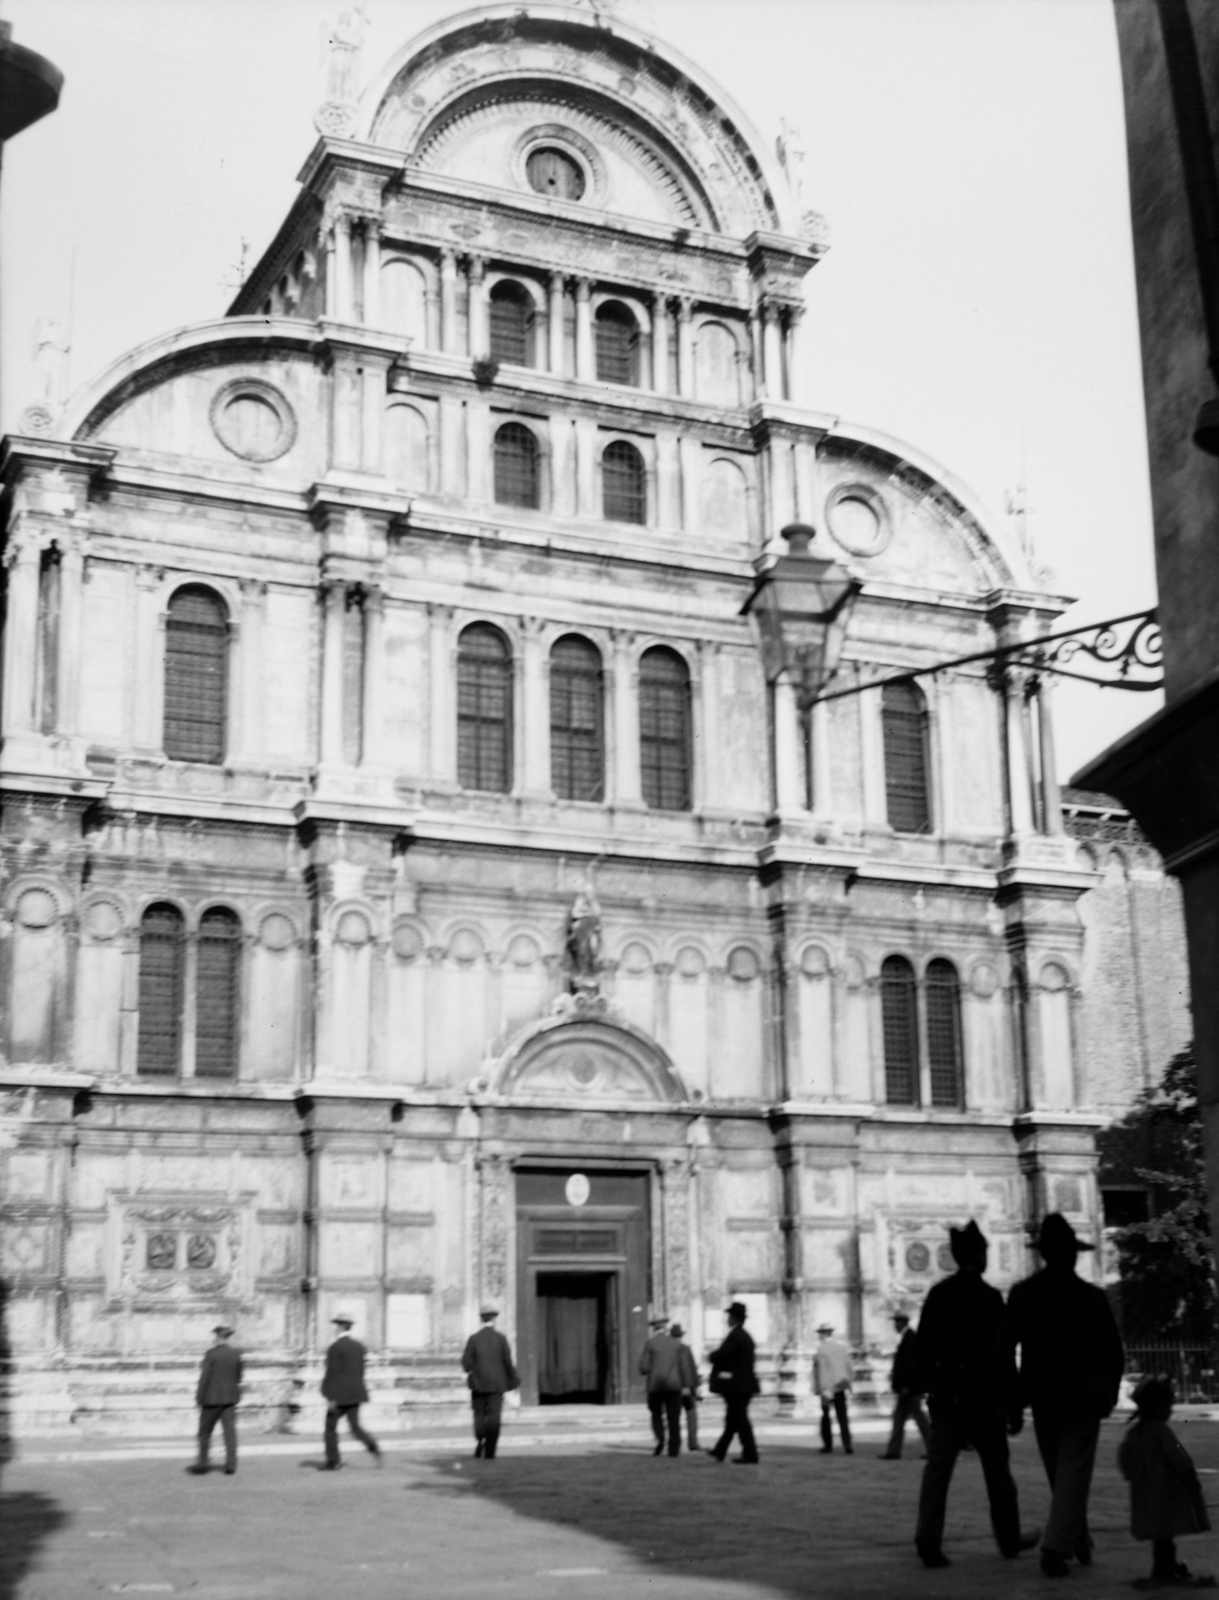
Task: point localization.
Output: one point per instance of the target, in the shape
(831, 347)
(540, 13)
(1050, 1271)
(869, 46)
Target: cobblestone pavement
(600, 1519)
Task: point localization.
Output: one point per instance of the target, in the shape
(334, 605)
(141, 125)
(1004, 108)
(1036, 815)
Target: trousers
(488, 1411)
(909, 1408)
(1068, 1453)
(352, 1413)
(737, 1425)
(665, 1406)
(226, 1416)
(839, 1402)
(952, 1428)
(690, 1405)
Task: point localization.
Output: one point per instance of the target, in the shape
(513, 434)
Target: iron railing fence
(1193, 1368)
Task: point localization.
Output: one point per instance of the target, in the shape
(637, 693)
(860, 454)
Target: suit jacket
(487, 1358)
(1071, 1356)
(660, 1364)
(343, 1384)
(959, 1357)
(832, 1369)
(733, 1362)
(905, 1378)
(687, 1368)
(219, 1377)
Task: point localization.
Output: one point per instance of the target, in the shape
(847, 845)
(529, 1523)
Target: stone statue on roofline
(342, 41)
(582, 951)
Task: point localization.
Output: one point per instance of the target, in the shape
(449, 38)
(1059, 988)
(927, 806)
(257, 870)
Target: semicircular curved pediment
(588, 1059)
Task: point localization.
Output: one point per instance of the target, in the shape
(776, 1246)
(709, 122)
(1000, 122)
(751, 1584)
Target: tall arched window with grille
(617, 345)
(196, 675)
(162, 964)
(904, 720)
(518, 467)
(899, 1024)
(624, 483)
(664, 731)
(512, 324)
(217, 994)
(577, 737)
(484, 709)
(945, 1056)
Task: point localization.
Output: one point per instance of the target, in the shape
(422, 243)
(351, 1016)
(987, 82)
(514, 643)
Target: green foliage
(1166, 1264)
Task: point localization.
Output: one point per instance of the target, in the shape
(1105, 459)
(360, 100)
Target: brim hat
(1152, 1389)
(677, 1331)
(1057, 1236)
(489, 1313)
(736, 1309)
(825, 1327)
(658, 1322)
(223, 1329)
(343, 1319)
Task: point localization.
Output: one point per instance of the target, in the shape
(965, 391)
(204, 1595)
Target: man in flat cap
(487, 1362)
(660, 1363)
(1071, 1365)
(690, 1382)
(971, 1396)
(832, 1376)
(906, 1384)
(345, 1391)
(732, 1376)
(216, 1396)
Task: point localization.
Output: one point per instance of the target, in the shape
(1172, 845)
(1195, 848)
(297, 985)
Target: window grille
(577, 742)
(217, 994)
(552, 172)
(162, 952)
(664, 730)
(904, 720)
(518, 477)
(512, 325)
(196, 676)
(944, 1052)
(484, 709)
(624, 494)
(617, 345)
(899, 1020)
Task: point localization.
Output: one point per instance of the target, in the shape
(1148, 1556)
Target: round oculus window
(253, 420)
(553, 172)
(857, 521)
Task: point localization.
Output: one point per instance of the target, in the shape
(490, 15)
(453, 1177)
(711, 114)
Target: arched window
(217, 994)
(899, 1019)
(904, 718)
(617, 345)
(944, 1053)
(624, 487)
(512, 324)
(162, 957)
(518, 477)
(196, 675)
(577, 739)
(664, 730)
(484, 709)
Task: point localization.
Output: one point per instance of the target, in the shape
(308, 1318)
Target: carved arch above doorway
(586, 1058)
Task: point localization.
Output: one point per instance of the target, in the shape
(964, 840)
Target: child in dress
(1165, 1495)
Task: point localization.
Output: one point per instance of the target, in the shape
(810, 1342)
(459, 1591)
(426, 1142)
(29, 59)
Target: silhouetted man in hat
(660, 1363)
(971, 1397)
(487, 1361)
(1071, 1365)
(690, 1381)
(906, 1384)
(344, 1388)
(732, 1376)
(832, 1376)
(216, 1396)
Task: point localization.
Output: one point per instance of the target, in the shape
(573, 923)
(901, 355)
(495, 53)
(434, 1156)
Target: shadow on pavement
(27, 1520)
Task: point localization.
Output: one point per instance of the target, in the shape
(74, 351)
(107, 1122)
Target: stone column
(772, 352)
(1051, 798)
(334, 621)
(344, 276)
(452, 445)
(67, 667)
(586, 366)
(819, 761)
(586, 468)
(372, 732)
(331, 268)
(660, 343)
(625, 781)
(20, 636)
(688, 453)
(795, 315)
(535, 710)
(495, 1206)
(149, 658)
(789, 755)
(875, 796)
(556, 308)
(476, 269)
(448, 302)
(685, 347)
(372, 273)
(668, 481)
(479, 476)
(251, 734)
(1019, 774)
(442, 711)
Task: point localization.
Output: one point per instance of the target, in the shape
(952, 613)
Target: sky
(977, 302)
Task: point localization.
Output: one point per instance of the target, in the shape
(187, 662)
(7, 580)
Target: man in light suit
(344, 1388)
(217, 1396)
(487, 1361)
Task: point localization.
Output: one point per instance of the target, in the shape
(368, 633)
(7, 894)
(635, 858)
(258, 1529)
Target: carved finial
(342, 42)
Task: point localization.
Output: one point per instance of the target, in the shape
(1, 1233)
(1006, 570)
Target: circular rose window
(856, 515)
(253, 420)
(555, 173)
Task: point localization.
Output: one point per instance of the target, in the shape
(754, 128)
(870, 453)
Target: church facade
(414, 894)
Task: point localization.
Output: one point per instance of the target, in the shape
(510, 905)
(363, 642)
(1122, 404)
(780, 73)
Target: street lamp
(802, 604)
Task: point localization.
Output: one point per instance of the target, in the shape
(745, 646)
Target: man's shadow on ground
(27, 1518)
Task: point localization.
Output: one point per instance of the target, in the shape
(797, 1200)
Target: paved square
(602, 1519)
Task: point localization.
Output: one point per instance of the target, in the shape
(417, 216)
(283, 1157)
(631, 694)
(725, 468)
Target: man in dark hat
(217, 1396)
(906, 1384)
(1071, 1365)
(970, 1393)
(690, 1382)
(660, 1363)
(732, 1376)
(487, 1362)
(344, 1388)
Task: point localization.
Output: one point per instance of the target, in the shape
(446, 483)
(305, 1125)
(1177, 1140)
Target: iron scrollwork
(1128, 652)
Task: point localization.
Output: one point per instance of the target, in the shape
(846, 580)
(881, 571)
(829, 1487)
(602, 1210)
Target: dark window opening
(552, 172)
(664, 731)
(484, 710)
(904, 720)
(624, 494)
(217, 1009)
(162, 955)
(577, 741)
(512, 325)
(617, 345)
(518, 476)
(899, 1025)
(944, 1053)
(196, 676)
